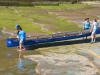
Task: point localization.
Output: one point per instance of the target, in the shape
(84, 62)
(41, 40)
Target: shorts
(22, 40)
(94, 31)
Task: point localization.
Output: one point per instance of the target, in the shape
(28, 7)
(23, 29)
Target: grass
(69, 6)
(39, 14)
(9, 19)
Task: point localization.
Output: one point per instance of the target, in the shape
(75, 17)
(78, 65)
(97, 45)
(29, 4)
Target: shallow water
(12, 61)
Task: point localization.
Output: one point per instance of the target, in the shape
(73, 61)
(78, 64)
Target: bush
(15, 4)
(10, 3)
(46, 3)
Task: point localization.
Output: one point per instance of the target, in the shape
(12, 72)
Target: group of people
(93, 28)
(21, 35)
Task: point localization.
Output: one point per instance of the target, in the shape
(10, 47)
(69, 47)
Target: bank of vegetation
(27, 17)
(38, 2)
(33, 18)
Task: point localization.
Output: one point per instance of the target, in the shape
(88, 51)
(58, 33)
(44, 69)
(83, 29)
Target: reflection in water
(20, 63)
(24, 66)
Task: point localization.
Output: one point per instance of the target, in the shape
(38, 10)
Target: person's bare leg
(92, 37)
(20, 45)
(23, 46)
(86, 37)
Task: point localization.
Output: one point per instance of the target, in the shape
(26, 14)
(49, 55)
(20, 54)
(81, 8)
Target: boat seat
(85, 31)
(44, 36)
(73, 33)
(59, 35)
(31, 38)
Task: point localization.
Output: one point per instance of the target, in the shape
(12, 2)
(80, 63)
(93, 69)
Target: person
(86, 25)
(93, 31)
(21, 36)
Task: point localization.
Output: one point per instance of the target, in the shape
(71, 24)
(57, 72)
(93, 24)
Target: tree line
(45, 0)
(37, 2)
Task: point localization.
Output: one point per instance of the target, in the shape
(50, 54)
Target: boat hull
(12, 42)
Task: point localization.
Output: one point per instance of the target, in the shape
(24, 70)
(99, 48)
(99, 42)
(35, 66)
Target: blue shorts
(22, 40)
(94, 31)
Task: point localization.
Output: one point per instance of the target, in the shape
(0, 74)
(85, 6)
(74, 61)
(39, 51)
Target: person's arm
(91, 28)
(18, 35)
(83, 25)
(89, 25)
(99, 26)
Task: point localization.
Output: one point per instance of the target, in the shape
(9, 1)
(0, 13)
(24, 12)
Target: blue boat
(12, 42)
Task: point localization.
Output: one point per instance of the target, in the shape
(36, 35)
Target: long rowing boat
(12, 42)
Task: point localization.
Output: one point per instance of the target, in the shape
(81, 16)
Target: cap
(17, 25)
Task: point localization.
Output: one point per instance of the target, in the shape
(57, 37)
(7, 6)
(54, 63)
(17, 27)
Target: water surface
(12, 61)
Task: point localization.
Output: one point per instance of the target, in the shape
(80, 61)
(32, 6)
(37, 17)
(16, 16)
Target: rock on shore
(63, 64)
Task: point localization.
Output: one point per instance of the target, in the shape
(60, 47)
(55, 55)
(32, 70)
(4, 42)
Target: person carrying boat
(93, 31)
(21, 35)
(86, 25)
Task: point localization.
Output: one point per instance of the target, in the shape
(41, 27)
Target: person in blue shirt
(86, 25)
(21, 35)
(93, 31)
